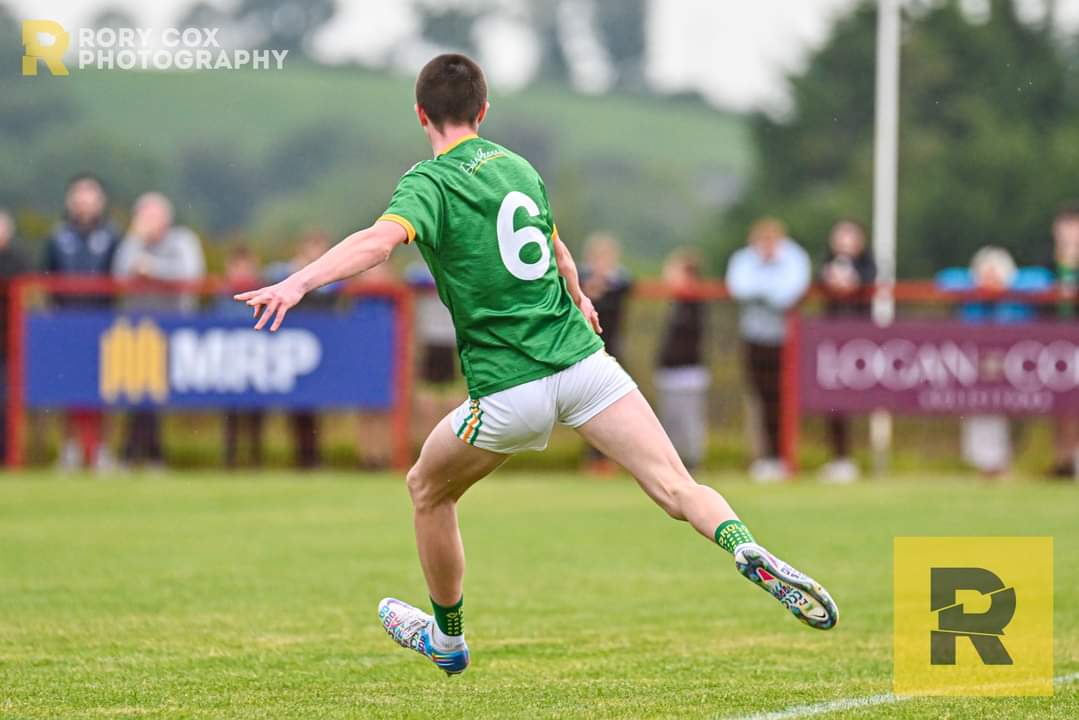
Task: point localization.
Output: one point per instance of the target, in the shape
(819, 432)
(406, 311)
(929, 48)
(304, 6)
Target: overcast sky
(734, 51)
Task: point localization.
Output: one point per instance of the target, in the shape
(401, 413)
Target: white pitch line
(822, 708)
(803, 711)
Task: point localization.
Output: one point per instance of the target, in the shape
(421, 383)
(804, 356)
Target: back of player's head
(452, 89)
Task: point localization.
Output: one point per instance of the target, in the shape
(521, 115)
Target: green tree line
(989, 136)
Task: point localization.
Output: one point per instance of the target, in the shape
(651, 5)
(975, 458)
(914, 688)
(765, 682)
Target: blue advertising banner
(104, 358)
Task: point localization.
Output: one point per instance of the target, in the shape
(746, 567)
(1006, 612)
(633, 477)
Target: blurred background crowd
(766, 279)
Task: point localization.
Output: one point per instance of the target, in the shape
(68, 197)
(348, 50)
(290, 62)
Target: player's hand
(272, 302)
(589, 311)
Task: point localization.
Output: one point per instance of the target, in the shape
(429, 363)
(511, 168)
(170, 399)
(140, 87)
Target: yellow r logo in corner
(134, 362)
(51, 54)
(973, 616)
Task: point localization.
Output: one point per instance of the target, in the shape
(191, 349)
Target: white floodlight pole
(885, 190)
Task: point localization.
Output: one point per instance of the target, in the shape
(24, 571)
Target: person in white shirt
(767, 279)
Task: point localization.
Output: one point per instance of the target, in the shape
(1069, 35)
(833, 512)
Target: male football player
(530, 350)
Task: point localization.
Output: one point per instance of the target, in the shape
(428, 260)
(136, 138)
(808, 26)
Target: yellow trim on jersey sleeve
(457, 142)
(403, 222)
(554, 233)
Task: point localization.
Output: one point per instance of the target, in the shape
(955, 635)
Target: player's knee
(419, 489)
(427, 492)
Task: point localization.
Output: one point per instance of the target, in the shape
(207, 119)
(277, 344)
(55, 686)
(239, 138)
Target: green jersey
(480, 216)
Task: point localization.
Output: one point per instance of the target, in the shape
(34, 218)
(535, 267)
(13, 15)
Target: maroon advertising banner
(939, 367)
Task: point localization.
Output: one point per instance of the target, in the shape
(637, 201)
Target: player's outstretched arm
(357, 253)
(568, 269)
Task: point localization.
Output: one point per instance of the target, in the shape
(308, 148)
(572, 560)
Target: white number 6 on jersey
(512, 241)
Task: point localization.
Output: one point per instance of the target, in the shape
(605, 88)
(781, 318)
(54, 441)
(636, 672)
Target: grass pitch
(212, 597)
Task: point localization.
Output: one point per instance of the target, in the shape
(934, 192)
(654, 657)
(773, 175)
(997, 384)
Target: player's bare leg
(446, 469)
(629, 433)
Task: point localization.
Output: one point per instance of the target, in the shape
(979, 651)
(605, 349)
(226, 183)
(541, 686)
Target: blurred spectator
(608, 285)
(682, 378)
(303, 424)
(846, 276)
(241, 275)
(374, 427)
(155, 251)
(83, 244)
(1065, 262)
(12, 264)
(767, 278)
(986, 440)
(1065, 268)
(435, 396)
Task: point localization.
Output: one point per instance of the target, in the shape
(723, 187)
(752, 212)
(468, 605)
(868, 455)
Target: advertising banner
(939, 367)
(103, 358)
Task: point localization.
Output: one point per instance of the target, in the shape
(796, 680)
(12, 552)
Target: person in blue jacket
(986, 440)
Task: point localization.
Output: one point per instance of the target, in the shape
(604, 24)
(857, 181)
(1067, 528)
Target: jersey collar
(458, 141)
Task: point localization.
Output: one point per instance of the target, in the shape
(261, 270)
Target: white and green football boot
(411, 628)
(796, 591)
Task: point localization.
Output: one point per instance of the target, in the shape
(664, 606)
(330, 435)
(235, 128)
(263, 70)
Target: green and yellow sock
(450, 619)
(731, 534)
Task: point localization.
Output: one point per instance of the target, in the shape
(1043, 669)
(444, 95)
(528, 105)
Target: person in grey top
(767, 278)
(156, 250)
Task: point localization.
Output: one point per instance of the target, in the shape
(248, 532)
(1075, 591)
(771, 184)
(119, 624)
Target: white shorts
(522, 417)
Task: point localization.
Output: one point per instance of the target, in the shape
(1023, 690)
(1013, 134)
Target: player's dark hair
(451, 89)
